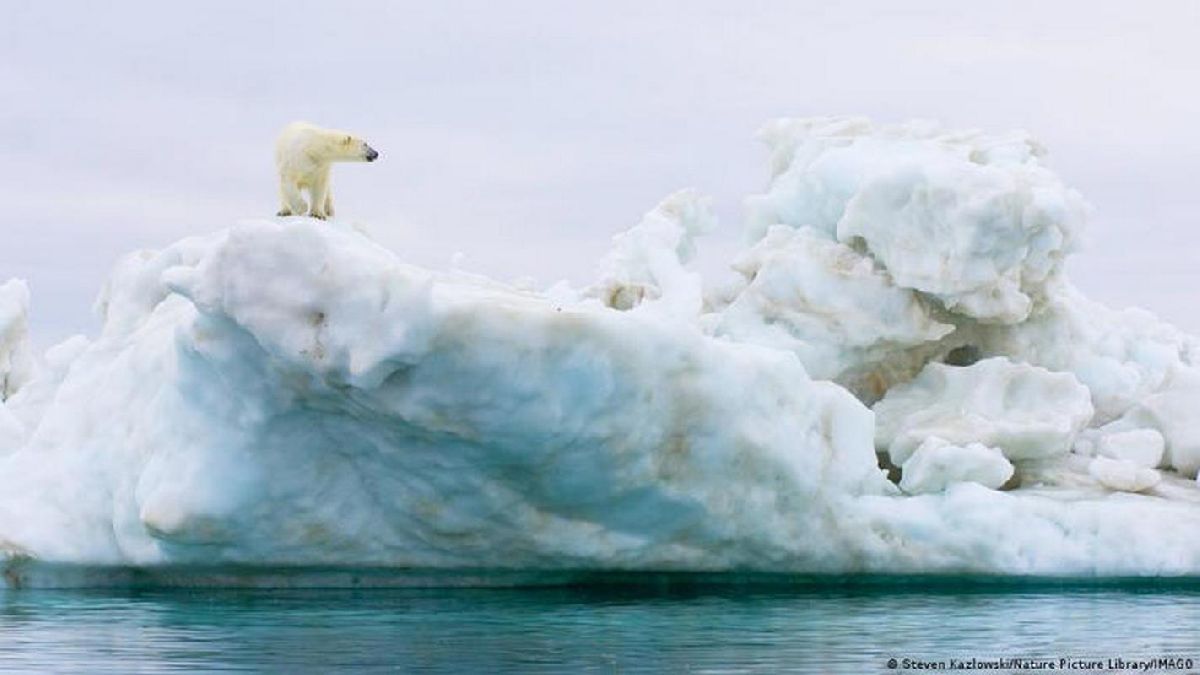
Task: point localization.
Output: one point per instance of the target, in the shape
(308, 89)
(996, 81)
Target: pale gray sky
(525, 134)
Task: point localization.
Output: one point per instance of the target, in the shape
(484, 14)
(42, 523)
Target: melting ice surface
(898, 379)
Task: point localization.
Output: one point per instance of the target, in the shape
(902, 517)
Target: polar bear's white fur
(303, 154)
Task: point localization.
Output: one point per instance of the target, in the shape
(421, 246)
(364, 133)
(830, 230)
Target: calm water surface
(700, 629)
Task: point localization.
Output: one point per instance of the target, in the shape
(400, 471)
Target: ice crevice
(896, 377)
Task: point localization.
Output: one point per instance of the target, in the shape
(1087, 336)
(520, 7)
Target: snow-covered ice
(974, 221)
(936, 464)
(1143, 447)
(647, 263)
(897, 378)
(1120, 474)
(1026, 411)
(830, 305)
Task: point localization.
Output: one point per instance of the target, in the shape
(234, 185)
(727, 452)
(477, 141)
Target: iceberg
(898, 379)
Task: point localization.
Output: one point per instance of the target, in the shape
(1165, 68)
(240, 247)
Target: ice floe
(899, 378)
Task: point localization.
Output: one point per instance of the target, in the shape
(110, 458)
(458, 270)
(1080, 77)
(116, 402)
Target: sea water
(665, 626)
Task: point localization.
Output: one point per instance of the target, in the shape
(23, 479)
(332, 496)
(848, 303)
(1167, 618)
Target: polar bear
(303, 154)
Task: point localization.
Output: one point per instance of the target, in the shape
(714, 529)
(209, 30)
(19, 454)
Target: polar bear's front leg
(320, 194)
(290, 201)
(328, 202)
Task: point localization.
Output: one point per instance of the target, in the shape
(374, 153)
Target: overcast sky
(524, 134)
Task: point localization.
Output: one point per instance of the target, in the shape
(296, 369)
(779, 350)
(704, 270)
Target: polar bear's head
(340, 146)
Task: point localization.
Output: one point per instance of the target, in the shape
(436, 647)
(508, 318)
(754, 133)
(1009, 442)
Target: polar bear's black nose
(371, 154)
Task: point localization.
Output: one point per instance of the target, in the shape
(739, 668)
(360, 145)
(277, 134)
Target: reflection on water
(599, 629)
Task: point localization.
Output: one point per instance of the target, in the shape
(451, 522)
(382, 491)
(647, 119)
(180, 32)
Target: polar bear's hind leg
(290, 201)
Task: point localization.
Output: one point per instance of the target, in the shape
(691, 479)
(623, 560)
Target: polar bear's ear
(347, 140)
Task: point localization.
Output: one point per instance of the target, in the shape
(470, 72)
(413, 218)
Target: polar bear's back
(293, 140)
